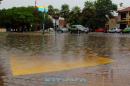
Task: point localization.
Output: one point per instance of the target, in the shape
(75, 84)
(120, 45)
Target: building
(2, 29)
(60, 22)
(112, 23)
(124, 17)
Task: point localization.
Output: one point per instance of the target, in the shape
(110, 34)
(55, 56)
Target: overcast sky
(55, 3)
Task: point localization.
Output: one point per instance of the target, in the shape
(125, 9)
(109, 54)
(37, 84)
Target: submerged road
(102, 59)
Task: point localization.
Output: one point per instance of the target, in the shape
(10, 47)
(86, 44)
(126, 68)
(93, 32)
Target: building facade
(2, 29)
(112, 23)
(124, 17)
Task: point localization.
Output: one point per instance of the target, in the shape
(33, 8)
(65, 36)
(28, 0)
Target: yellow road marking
(35, 65)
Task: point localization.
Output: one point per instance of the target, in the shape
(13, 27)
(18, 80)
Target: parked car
(126, 30)
(62, 30)
(118, 30)
(114, 30)
(78, 29)
(100, 30)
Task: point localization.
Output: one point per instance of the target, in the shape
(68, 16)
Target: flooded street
(103, 59)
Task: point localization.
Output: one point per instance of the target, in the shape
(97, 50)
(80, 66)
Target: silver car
(78, 29)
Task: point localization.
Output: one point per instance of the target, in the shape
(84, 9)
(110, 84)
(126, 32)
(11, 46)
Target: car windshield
(73, 26)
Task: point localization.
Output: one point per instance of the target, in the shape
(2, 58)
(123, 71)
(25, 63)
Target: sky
(55, 3)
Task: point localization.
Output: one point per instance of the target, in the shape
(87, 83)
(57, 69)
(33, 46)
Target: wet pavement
(102, 59)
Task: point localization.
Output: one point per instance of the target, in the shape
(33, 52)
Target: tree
(104, 8)
(95, 13)
(88, 15)
(56, 11)
(65, 11)
(74, 15)
(21, 18)
(48, 23)
(51, 10)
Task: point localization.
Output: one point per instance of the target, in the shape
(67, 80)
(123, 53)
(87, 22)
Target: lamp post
(56, 17)
(43, 22)
(44, 17)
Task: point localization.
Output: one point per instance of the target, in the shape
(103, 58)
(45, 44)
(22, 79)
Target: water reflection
(25, 43)
(1, 74)
(39, 52)
(50, 53)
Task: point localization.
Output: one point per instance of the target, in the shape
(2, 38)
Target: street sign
(42, 9)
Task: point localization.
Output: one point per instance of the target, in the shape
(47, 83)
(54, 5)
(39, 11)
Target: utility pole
(36, 14)
(55, 17)
(43, 23)
(44, 11)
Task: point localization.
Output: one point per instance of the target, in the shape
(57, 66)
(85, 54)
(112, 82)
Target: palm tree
(51, 10)
(65, 11)
(74, 15)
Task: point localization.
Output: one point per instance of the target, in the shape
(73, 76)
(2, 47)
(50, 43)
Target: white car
(78, 29)
(114, 30)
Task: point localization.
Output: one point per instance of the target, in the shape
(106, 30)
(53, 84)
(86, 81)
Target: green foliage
(65, 11)
(94, 13)
(16, 16)
(48, 23)
(51, 10)
(74, 16)
(56, 11)
(21, 17)
(104, 8)
(89, 15)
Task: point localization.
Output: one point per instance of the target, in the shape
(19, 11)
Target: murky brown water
(66, 54)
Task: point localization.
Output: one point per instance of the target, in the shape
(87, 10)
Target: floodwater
(103, 59)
